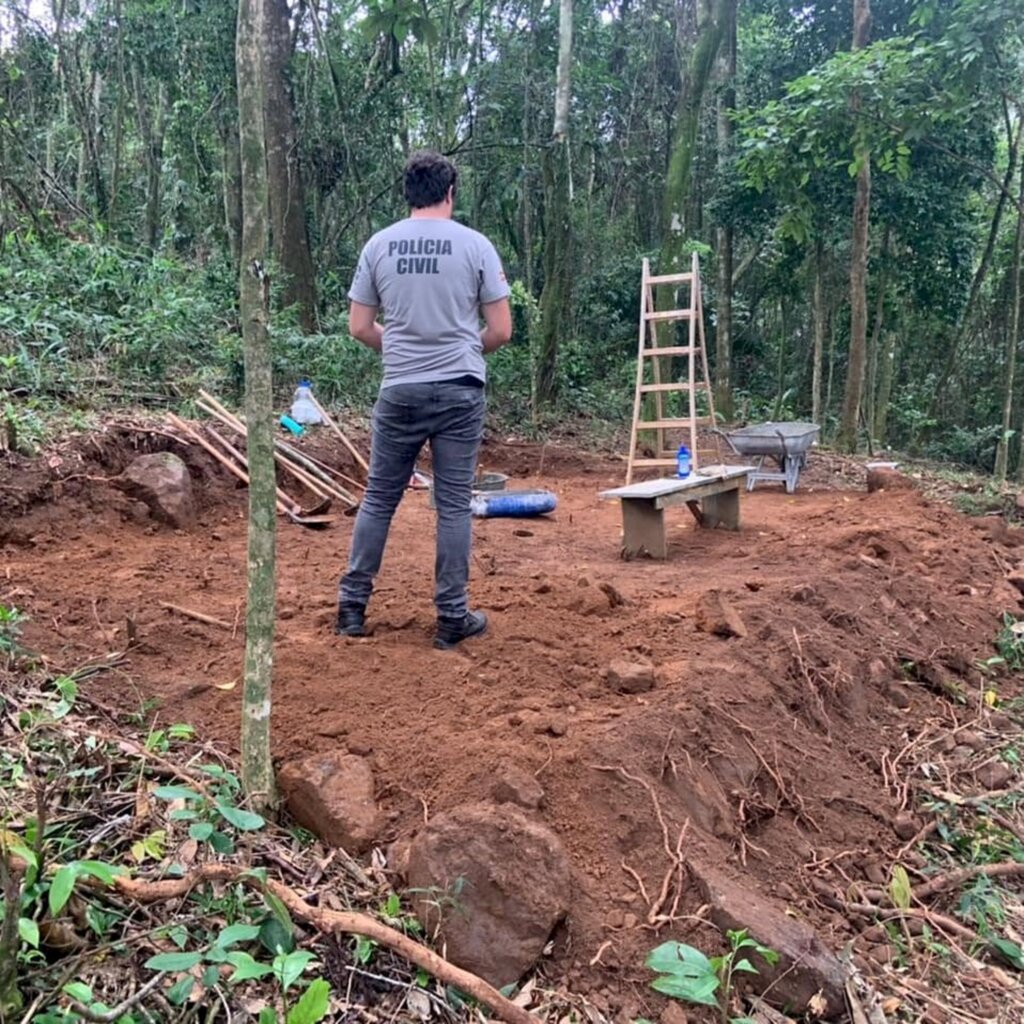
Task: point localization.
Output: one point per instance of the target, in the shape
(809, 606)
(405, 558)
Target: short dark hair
(428, 176)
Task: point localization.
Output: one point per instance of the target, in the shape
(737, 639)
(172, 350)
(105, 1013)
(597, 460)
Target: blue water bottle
(683, 462)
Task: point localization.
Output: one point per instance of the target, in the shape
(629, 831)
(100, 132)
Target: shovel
(314, 518)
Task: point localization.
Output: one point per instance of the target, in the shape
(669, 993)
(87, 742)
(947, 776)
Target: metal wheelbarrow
(786, 444)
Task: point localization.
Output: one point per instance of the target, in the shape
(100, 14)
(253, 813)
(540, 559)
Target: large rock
(886, 478)
(162, 482)
(715, 614)
(515, 785)
(806, 967)
(331, 794)
(493, 884)
(630, 676)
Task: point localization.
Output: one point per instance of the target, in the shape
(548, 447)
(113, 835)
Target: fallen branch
(953, 879)
(198, 616)
(122, 1008)
(950, 880)
(332, 922)
(975, 801)
(869, 910)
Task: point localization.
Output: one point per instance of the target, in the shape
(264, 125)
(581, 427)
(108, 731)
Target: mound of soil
(769, 753)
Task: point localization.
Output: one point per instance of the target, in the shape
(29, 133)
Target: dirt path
(772, 744)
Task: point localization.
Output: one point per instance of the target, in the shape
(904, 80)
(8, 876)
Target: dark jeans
(451, 417)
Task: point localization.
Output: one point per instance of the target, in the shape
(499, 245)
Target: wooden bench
(712, 495)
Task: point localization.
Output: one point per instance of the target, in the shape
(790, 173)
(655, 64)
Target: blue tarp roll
(513, 504)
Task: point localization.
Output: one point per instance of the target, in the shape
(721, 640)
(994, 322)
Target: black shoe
(453, 631)
(351, 620)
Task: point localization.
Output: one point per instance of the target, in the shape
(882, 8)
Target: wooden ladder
(651, 354)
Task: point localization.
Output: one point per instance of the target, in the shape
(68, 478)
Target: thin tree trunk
(858, 260)
(818, 303)
(563, 83)
(232, 187)
(831, 362)
(964, 323)
(780, 359)
(151, 128)
(887, 374)
(122, 90)
(526, 199)
(1012, 342)
(154, 180)
(724, 233)
(701, 29)
(285, 186)
(526, 210)
(84, 101)
(257, 769)
(556, 298)
(876, 335)
(10, 900)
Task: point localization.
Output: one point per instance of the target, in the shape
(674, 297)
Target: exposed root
(332, 922)
(793, 800)
(814, 683)
(672, 882)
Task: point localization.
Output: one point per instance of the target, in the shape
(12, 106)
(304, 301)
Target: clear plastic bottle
(303, 409)
(683, 462)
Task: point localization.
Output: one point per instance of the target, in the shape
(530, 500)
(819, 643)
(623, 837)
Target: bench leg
(722, 510)
(643, 529)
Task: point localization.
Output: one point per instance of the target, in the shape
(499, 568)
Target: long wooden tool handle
(321, 486)
(229, 417)
(232, 450)
(334, 426)
(218, 455)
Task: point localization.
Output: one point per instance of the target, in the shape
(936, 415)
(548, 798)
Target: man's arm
(497, 324)
(363, 326)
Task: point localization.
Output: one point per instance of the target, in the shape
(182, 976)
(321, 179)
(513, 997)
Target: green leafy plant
(286, 967)
(11, 620)
(1010, 643)
(900, 892)
(208, 811)
(685, 973)
(160, 740)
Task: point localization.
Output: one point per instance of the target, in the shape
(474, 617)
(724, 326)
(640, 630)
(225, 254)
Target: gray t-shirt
(429, 276)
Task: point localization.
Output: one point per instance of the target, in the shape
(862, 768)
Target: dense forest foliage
(849, 173)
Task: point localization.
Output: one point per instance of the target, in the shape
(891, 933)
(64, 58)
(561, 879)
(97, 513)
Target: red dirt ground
(827, 581)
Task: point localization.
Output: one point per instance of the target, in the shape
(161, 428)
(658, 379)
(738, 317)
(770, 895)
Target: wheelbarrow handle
(728, 440)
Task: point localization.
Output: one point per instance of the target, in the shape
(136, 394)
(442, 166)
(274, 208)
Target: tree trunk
(963, 326)
(724, 233)
(876, 336)
(780, 359)
(886, 374)
(819, 329)
(257, 769)
(84, 99)
(285, 187)
(858, 260)
(701, 28)
(1012, 342)
(556, 298)
(232, 188)
(122, 90)
(151, 126)
(831, 363)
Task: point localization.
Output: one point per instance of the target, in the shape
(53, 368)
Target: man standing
(433, 279)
